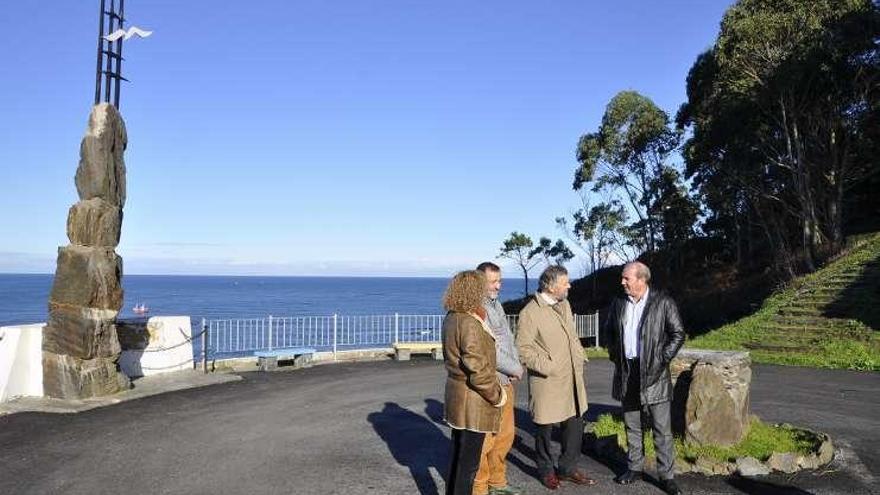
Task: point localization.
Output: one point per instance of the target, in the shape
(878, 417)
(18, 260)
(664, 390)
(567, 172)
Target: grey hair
(642, 270)
(550, 275)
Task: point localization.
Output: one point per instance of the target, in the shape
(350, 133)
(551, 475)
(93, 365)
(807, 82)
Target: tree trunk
(738, 242)
(801, 183)
(835, 202)
(526, 278)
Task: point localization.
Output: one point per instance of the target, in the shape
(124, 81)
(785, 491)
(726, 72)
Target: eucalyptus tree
(783, 113)
(630, 155)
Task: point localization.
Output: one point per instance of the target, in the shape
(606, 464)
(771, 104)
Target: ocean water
(23, 298)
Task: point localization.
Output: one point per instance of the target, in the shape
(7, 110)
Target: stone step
(813, 303)
(852, 304)
(808, 321)
(813, 298)
(864, 277)
(838, 287)
(854, 312)
(801, 311)
(759, 346)
(794, 332)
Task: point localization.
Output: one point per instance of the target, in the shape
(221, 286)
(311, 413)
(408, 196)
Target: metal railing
(334, 333)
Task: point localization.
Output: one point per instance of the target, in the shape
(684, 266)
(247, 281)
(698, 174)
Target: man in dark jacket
(644, 332)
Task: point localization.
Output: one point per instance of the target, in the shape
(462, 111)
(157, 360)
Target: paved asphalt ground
(373, 428)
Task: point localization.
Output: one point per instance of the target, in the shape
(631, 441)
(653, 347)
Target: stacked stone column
(80, 346)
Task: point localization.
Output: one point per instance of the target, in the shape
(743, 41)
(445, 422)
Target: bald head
(635, 278)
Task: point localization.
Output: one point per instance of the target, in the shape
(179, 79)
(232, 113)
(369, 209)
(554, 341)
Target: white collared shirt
(547, 298)
(632, 316)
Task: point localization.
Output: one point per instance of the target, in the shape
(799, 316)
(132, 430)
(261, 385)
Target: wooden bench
(301, 357)
(403, 350)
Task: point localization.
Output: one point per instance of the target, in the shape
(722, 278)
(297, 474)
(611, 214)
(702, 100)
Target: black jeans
(464, 461)
(570, 441)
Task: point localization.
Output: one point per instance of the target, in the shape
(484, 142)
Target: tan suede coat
(549, 347)
(473, 393)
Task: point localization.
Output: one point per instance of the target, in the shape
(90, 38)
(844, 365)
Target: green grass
(858, 348)
(761, 441)
(593, 353)
(830, 352)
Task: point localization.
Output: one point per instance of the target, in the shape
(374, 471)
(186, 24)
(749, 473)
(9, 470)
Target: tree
(783, 112)
(674, 209)
(599, 231)
(519, 248)
(553, 254)
(629, 155)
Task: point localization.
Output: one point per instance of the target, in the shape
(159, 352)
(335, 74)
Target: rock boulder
(711, 396)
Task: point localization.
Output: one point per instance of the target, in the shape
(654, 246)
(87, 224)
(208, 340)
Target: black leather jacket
(661, 335)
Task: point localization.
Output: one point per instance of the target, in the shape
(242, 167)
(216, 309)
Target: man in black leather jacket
(644, 332)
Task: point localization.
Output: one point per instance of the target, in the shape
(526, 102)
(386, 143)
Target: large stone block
(713, 417)
(101, 171)
(711, 396)
(67, 377)
(88, 277)
(84, 333)
(94, 222)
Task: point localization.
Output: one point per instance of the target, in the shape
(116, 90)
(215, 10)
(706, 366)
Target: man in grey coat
(491, 478)
(644, 332)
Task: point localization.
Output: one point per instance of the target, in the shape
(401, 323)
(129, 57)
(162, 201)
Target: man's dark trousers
(661, 422)
(572, 430)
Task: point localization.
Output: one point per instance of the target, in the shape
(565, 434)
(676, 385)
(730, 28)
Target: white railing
(336, 332)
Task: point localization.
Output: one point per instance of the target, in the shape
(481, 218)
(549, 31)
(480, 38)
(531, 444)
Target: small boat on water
(140, 309)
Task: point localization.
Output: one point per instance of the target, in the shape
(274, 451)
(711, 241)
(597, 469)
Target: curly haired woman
(474, 396)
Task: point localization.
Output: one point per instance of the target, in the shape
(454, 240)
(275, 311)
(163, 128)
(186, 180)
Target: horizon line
(256, 275)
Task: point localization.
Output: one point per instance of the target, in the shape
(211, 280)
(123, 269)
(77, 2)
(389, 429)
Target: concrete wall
(160, 345)
(21, 361)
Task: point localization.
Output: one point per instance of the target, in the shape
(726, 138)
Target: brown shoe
(550, 481)
(577, 478)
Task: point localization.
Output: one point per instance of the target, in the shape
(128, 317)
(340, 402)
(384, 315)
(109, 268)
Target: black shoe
(628, 477)
(670, 487)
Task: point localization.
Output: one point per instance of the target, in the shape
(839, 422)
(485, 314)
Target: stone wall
(161, 344)
(21, 372)
(80, 347)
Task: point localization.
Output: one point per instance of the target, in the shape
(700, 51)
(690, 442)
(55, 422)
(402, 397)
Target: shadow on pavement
(434, 410)
(525, 425)
(755, 487)
(523, 421)
(596, 410)
(593, 413)
(416, 442)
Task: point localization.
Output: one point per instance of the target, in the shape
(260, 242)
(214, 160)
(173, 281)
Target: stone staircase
(839, 302)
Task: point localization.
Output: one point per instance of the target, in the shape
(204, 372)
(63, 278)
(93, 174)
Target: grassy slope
(825, 319)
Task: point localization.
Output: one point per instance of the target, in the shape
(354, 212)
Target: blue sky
(327, 138)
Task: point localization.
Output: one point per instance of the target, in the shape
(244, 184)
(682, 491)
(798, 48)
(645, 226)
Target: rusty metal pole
(108, 71)
(100, 54)
(118, 74)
